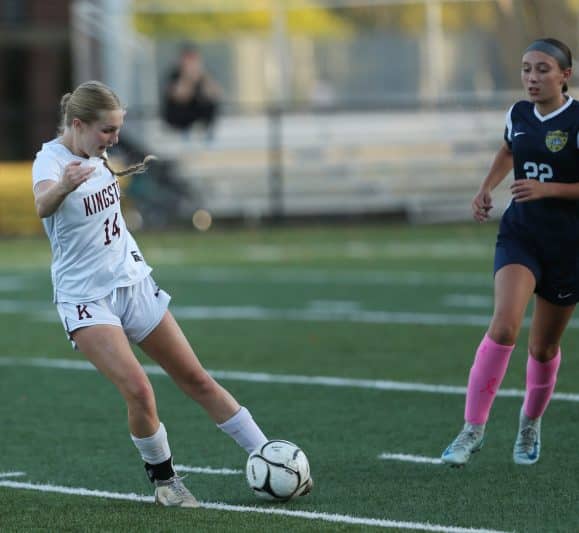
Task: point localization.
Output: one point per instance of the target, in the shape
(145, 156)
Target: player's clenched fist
(481, 205)
(74, 176)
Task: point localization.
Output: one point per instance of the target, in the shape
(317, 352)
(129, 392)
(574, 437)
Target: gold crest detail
(556, 140)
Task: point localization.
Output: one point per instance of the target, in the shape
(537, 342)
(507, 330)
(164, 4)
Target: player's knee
(504, 333)
(139, 393)
(198, 384)
(542, 351)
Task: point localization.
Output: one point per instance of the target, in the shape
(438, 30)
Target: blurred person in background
(103, 290)
(537, 250)
(191, 96)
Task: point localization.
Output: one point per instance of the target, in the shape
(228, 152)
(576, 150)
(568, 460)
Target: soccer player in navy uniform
(537, 250)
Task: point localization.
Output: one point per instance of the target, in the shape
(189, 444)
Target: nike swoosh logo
(520, 133)
(563, 296)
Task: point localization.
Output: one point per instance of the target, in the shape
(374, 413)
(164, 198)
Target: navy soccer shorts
(555, 267)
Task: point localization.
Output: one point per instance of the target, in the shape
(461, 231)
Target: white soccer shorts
(137, 309)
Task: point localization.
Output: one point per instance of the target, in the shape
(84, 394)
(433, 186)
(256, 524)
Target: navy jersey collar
(553, 113)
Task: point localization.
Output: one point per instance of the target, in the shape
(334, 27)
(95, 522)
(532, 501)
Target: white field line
(335, 518)
(472, 301)
(45, 312)
(11, 474)
(409, 458)
(306, 276)
(292, 379)
(76, 491)
(362, 249)
(323, 277)
(208, 470)
(327, 315)
(11, 283)
(41, 311)
(423, 248)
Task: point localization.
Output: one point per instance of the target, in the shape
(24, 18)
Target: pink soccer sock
(485, 378)
(541, 379)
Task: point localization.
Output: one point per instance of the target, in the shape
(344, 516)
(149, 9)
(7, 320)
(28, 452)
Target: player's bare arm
(501, 166)
(49, 194)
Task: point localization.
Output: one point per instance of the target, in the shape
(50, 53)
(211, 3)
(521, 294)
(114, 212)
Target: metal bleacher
(425, 164)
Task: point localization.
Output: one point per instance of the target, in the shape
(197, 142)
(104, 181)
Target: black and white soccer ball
(278, 471)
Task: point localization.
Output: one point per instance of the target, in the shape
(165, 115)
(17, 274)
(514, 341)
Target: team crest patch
(556, 140)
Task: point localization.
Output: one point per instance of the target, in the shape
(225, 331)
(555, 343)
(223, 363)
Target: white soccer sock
(154, 449)
(242, 428)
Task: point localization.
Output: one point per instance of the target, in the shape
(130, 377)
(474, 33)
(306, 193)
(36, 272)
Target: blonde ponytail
(138, 168)
(63, 107)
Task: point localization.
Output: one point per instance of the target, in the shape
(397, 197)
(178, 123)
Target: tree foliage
(220, 19)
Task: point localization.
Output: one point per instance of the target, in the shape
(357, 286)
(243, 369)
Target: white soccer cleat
(172, 493)
(467, 442)
(527, 447)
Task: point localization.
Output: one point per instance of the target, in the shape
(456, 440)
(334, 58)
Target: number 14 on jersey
(112, 230)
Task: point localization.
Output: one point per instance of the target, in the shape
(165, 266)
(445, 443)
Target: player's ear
(77, 123)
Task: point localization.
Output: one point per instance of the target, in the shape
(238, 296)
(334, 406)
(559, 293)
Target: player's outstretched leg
(527, 447)
(467, 442)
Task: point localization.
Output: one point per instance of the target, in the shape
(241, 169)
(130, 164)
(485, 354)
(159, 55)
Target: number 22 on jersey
(533, 170)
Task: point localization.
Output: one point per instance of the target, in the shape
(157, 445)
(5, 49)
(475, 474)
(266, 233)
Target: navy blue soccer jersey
(543, 234)
(544, 148)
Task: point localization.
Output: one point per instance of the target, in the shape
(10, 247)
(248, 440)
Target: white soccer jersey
(92, 250)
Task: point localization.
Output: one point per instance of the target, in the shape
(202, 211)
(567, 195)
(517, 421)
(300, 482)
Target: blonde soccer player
(104, 292)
